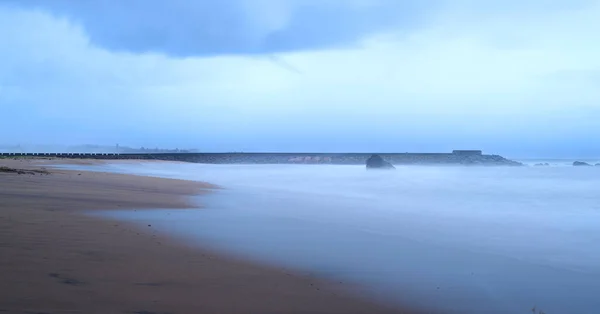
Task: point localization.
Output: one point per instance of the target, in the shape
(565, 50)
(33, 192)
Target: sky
(517, 78)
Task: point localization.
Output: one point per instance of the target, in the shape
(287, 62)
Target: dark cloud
(201, 27)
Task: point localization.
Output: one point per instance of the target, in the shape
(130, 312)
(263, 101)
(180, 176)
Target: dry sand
(54, 259)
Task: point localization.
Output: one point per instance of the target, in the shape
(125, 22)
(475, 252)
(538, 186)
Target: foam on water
(467, 240)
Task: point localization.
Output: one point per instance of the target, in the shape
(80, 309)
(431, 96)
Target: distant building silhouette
(467, 152)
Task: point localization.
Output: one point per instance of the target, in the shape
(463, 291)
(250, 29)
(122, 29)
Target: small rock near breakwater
(376, 162)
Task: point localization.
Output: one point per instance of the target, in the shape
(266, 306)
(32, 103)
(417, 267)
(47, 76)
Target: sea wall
(291, 158)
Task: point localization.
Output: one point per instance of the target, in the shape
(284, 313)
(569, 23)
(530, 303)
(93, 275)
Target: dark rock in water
(376, 162)
(598, 165)
(580, 163)
(542, 164)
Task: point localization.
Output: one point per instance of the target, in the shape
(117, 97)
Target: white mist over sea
(461, 239)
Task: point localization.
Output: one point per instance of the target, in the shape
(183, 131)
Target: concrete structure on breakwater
(456, 157)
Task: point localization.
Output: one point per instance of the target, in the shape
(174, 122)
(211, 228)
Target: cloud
(517, 79)
(191, 28)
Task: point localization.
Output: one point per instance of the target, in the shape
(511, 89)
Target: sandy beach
(55, 259)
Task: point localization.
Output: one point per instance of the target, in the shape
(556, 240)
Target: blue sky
(519, 79)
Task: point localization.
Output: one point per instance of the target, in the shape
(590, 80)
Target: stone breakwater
(294, 158)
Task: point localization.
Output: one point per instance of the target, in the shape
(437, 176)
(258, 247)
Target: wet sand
(56, 260)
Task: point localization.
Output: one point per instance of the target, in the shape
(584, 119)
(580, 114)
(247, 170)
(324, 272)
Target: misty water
(460, 239)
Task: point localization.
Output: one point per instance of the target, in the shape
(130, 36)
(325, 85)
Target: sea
(449, 238)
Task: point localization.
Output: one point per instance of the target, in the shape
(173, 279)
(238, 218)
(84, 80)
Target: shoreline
(59, 260)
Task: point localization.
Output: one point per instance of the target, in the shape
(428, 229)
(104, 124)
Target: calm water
(467, 240)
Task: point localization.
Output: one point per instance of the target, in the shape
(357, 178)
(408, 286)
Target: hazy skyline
(518, 79)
